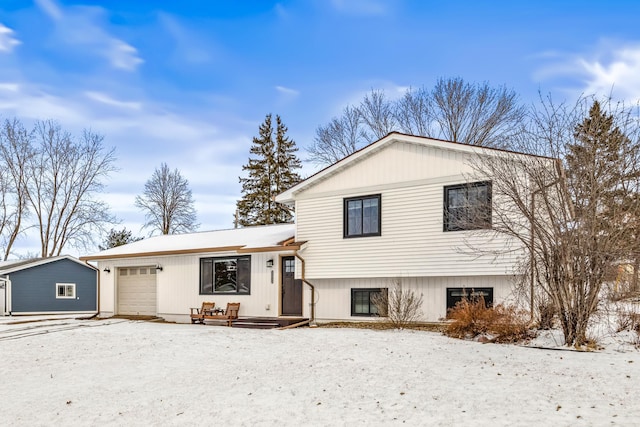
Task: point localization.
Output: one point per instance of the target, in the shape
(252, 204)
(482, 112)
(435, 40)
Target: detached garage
(55, 285)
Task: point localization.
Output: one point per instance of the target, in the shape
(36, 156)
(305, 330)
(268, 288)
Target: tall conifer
(271, 170)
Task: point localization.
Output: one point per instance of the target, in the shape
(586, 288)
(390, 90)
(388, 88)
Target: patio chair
(199, 313)
(229, 315)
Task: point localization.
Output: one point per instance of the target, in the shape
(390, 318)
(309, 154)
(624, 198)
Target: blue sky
(188, 82)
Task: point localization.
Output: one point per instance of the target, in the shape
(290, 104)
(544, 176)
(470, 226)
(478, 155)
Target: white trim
(35, 313)
(66, 288)
(293, 193)
(36, 263)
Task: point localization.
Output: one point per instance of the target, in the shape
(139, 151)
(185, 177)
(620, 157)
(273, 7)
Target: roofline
(238, 249)
(391, 136)
(43, 261)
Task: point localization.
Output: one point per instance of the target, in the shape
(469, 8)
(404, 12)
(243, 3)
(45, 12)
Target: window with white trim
(65, 290)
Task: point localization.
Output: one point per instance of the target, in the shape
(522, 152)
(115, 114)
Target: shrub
(472, 318)
(547, 313)
(401, 306)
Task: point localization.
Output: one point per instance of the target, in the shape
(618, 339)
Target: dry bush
(401, 306)
(628, 320)
(472, 318)
(547, 314)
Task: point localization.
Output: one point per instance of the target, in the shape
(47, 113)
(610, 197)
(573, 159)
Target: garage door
(137, 291)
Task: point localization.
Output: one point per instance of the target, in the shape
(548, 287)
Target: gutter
(312, 320)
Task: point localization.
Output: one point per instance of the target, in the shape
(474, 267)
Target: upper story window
(362, 216)
(228, 275)
(467, 206)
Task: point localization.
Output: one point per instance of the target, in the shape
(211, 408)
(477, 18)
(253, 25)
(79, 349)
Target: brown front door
(291, 288)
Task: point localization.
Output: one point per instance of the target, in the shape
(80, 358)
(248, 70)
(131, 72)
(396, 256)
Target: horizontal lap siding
(34, 289)
(334, 295)
(411, 182)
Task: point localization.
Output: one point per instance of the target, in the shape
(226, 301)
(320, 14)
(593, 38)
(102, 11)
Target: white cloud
(360, 7)
(7, 40)
(83, 26)
(189, 46)
(123, 55)
(108, 100)
(610, 70)
(620, 75)
(9, 87)
(209, 154)
(50, 8)
(287, 91)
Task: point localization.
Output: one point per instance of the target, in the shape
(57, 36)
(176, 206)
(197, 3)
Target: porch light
(269, 263)
(158, 267)
(107, 270)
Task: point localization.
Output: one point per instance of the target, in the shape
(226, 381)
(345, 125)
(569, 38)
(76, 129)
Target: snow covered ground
(122, 372)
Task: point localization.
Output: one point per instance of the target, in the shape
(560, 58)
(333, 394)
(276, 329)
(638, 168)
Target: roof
(12, 266)
(249, 239)
(374, 147)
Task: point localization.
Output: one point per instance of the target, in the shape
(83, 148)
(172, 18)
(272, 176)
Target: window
(362, 301)
(467, 206)
(65, 290)
(362, 216)
(455, 295)
(229, 275)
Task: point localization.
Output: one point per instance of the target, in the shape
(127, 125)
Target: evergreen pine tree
(271, 170)
(286, 163)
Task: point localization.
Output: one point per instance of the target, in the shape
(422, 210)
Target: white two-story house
(400, 210)
(404, 209)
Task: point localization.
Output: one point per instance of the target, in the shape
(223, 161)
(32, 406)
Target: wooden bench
(198, 315)
(229, 315)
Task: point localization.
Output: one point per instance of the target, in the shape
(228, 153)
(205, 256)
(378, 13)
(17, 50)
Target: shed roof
(12, 266)
(249, 239)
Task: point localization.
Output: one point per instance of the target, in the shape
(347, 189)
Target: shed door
(137, 291)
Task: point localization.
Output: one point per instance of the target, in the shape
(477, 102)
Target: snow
(246, 238)
(124, 372)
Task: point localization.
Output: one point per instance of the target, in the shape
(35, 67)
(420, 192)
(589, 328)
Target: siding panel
(411, 180)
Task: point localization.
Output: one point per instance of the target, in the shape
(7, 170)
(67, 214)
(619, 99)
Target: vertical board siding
(334, 295)
(33, 289)
(178, 285)
(412, 240)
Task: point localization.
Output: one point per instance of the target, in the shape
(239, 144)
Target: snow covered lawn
(121, 372)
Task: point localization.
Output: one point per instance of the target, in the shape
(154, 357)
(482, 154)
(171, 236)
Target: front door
(291, 288)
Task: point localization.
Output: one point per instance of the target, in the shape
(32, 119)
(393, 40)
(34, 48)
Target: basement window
(363, 301)
(65, 290)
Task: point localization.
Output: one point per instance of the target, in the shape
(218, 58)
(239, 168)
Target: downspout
(97, 290)
(313, 289)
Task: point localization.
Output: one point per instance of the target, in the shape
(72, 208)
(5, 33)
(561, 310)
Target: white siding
(334, 295)
(178, 285)
(411, 180)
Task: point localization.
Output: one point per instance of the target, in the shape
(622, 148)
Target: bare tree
(475, 114)
(63, 177)
(167, 202)
(16, 152)
(570, 212)
(414, 112)
(378, 114)
(340, 137)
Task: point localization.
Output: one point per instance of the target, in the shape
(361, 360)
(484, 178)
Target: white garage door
(137, 291)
